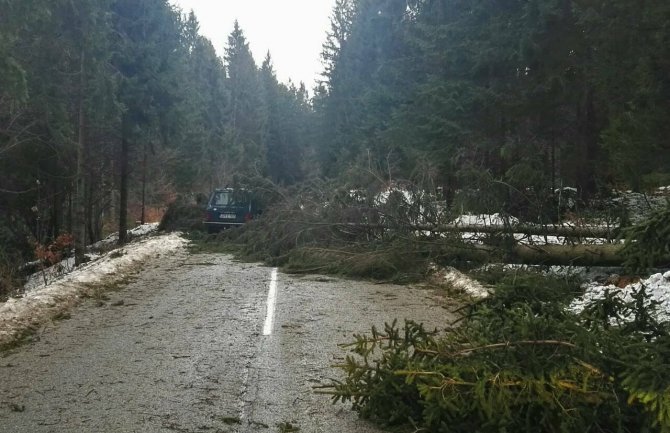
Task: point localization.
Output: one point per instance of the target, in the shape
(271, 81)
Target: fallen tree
(567, 255)
(531, 230)
(568, 231)
(307, 228)
(572, 253)
(519, 361)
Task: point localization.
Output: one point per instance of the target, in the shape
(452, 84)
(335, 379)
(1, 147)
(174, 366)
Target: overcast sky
(292, 30)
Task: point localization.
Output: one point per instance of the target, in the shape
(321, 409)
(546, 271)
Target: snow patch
(657, 287)
(141, 230)
(40, 303)
(458, 281)
(495, 220)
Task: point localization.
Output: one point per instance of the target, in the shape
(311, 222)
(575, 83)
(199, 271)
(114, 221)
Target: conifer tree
(148, 36)
(243, 139)
(286, 112)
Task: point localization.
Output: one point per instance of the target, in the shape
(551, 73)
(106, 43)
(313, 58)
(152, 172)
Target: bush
(516, 366)
(648, 243)
(185, 213)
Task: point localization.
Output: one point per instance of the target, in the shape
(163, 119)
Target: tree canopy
(110, 106)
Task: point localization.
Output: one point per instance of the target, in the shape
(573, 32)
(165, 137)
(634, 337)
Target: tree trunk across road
(183, 348)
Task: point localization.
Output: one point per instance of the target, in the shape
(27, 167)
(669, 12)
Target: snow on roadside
(66, 266)
(656, 285)
(458, 281)
(40, 304)
(138, 231)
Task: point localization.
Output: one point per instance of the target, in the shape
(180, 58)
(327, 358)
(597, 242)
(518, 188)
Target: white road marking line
(272, 300)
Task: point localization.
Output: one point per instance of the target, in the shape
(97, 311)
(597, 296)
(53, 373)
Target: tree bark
(576, 255)
(567, 255)
(539, 230)
(536, 230)
(571, 255)
(80, 202)
(144, 185)
(123, 189)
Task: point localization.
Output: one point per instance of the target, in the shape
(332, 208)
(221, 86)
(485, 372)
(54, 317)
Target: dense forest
(109, 108)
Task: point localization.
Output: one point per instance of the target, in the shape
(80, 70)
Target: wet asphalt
(181, 349)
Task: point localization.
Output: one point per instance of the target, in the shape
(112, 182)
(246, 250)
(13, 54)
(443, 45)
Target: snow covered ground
(66, 284)
(499, 221)
(491, 220)
(66, 266)
(656, 285)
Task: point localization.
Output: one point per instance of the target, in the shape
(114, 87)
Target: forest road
(183, 348)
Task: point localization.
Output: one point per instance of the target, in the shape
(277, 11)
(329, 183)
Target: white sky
(292, 30)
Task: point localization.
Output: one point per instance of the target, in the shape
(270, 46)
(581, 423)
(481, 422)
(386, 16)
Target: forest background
(110, 108)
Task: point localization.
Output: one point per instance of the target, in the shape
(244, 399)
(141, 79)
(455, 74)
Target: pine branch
(467, 352)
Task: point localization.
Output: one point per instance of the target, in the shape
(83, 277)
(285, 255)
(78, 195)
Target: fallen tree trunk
(530, 230)
(574, 254)
(565, 255)
(538, 230)
(577, 255)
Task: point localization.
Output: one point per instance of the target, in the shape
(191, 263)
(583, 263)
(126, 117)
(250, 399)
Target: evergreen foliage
(508, 100)
(534, 94)
(110, 107)
(516, 362)
(317, 227)
(648, 243)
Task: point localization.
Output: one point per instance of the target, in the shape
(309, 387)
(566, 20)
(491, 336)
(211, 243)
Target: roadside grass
(98, 293)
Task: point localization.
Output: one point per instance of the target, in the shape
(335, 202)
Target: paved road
(182, 349)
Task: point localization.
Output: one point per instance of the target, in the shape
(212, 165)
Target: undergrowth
(518, 361)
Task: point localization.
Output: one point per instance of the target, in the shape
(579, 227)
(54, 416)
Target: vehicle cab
(228, 207)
